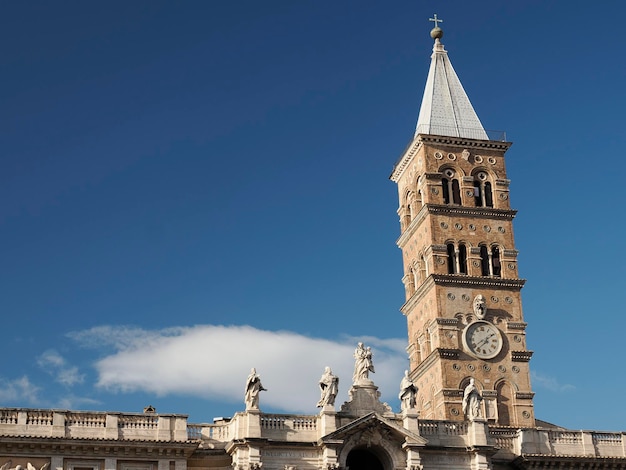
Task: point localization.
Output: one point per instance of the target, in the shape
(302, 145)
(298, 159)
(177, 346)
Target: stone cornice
(453, 211)
(521, 356)
(417, 296)
(456, 280)
(474, 281)
(510, 253)
(463, 211)
(404, 160)
(33, 445)
(410, 230)
(425, 366)
(448, 353)
(551, 461)
(446, 141)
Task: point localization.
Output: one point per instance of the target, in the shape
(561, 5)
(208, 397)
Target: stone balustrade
(557, 442)
(92, 425)
(303, 428)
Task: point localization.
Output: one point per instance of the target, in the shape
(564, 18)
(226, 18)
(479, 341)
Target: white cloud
(549, 383)
(56, 365)
(72, 402)
(214, 361)
(19, 389)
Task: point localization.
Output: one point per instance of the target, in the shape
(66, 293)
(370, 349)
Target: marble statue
(329, 386)
(471, 401)
(480, 306)
(253, 388)
(408, 392)
(363, 363)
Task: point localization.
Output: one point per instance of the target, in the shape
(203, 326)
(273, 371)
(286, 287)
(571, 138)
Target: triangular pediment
(373, 427)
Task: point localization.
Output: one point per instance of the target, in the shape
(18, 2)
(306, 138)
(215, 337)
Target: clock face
(482, 339)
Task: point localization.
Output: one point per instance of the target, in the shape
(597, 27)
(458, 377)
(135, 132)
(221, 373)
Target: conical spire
(446, 109)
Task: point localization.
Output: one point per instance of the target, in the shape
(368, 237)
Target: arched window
(457, 258)
(445, 189)
(423, 267)
(496, 265)
(505, 403)
(456, 192)
(412, 204)
(450, 187)
(483, 196)
(484, 261)
(451, 258)
(462, 258)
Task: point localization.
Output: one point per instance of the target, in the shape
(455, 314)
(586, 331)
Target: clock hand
(485, 341)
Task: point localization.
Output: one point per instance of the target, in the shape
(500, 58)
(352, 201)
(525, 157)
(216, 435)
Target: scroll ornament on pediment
(29, 466)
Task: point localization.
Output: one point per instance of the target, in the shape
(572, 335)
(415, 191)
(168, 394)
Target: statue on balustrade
(329, 386)
(363, 363)
(408, 393)
(253, 388)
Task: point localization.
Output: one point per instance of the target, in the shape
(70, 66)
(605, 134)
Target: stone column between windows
(56, 463)
(110, 464)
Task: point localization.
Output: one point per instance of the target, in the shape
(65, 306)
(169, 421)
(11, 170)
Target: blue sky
(193, 189)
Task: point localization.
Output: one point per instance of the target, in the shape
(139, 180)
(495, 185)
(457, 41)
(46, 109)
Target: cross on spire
(435, 20)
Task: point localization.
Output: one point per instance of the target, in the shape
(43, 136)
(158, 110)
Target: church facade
(466, 400)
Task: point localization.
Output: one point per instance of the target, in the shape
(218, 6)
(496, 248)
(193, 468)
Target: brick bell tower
(463, 293)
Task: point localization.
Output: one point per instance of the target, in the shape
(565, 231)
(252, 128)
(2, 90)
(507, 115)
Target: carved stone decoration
(480, 306)
(465, 154)
(29, 466)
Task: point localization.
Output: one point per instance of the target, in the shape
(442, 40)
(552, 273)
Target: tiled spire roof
(446, 109)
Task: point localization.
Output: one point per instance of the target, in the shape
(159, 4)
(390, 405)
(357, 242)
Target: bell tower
(463, 293)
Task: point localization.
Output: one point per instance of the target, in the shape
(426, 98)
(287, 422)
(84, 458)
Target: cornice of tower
(437, 353)
(459, 280)
(404, 160)
(412, 228)
(480, 212)
(441, 141)
(456, 211)
(521, 356)
(446, 141)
